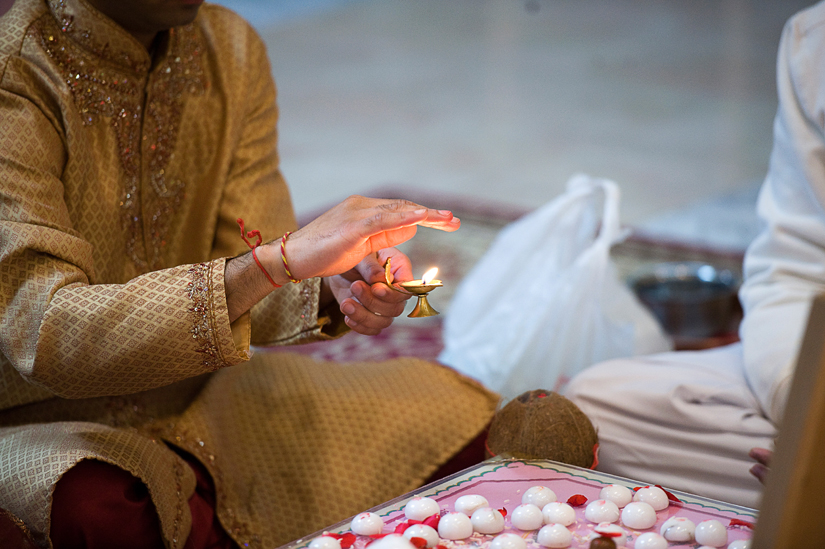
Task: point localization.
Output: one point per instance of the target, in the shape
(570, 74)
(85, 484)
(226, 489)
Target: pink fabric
(100, 506)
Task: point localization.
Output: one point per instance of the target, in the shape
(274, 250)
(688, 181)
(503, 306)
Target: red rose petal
(347, 540)
(576, 500)
(739, 522)
(503, 512)
(595, 456)
(432, 521)
(420, 543)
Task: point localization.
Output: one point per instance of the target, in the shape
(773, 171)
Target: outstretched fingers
(400, 214)
(443, 220)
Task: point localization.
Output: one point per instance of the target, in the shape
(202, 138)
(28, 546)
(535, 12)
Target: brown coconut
(543, 425)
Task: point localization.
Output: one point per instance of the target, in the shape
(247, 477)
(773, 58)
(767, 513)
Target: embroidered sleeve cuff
(221, 343)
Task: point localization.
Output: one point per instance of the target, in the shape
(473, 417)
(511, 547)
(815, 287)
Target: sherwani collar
(101, 36)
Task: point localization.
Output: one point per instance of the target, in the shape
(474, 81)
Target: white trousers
(685, 420)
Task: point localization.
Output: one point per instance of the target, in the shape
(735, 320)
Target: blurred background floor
(503, 100)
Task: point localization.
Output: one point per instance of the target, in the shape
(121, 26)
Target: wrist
(270, 257)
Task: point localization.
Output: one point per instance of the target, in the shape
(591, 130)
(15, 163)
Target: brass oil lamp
(418, 288)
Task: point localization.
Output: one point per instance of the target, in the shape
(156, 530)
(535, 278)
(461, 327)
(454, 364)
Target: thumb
(371, 269)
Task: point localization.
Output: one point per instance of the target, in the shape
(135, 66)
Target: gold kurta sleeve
(158, 328)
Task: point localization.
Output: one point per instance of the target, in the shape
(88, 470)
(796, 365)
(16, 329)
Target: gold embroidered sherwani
(121, 178)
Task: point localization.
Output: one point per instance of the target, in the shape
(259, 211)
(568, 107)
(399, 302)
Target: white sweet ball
(454, 526)
(539, 496)
(652, 495)
(650, 540)
(740, 544)
(557, 512)
(554, 535)
(618, 494)
(424, 532)
(469, 503)
(367, 524)
(419, 508)
(613, 531)
(712, 533)
(508, 541)
(678, 529)
(487, 520)
(325, 542)
(638, 515)
(392, 541)
(601, 510)
(527, 517)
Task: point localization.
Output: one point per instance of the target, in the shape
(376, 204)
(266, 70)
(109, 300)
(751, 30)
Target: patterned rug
(455, 254)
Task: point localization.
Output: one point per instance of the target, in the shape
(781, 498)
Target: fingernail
(455, 220)
(421, 211)
(379, 291)
(444, 212)
(348, 308)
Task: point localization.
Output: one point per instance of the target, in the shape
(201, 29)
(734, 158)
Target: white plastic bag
(545, 302)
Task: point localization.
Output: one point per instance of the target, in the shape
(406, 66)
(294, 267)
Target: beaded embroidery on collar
(85, 33)
(108, 82)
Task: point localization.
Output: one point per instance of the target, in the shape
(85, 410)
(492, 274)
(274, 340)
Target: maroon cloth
(12, 534)
(99, 506)
(472, 454)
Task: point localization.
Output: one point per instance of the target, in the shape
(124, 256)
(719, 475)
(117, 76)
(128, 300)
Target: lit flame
(429, 276)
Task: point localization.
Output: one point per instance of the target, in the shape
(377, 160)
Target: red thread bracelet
(283, 258)
(257, 234)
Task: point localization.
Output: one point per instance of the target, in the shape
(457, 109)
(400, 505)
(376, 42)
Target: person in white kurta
(688, 420)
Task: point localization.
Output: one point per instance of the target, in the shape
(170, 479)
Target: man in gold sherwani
(133, 134)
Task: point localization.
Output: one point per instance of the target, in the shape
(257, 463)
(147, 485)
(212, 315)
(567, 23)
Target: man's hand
(339, 239)
(763, 457)
(368, 304)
